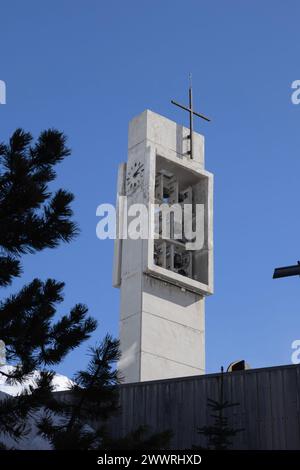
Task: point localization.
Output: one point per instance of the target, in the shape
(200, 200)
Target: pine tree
(78, 422)
(33, 218)
(219, 434)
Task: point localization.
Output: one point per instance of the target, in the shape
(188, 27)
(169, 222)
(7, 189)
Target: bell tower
(163, 261)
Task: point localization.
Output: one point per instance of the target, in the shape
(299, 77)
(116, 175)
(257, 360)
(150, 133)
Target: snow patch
(60, 382)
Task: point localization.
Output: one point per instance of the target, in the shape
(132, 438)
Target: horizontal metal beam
(190, 111)
(201, 116)
(287, 271)
(181, 106)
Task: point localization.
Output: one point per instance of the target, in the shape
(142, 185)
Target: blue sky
(88, 67)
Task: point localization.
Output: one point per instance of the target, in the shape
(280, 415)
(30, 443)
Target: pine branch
(98, 382)
(9, 268)
(93, 397)
(31, 219)
(26, 328)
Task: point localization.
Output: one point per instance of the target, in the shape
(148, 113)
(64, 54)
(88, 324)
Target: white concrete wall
(162, 330)
(161, 131)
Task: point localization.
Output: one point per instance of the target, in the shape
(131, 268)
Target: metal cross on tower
(191, 111)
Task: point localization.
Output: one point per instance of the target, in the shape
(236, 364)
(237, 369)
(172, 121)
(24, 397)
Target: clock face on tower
(134, 178)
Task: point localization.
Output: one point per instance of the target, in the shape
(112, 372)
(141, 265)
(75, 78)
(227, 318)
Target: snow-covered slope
(32, 441)
(60, 382)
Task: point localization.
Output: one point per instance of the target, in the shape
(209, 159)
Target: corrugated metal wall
(269, 409)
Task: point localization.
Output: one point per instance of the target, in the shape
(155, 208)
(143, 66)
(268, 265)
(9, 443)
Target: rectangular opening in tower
(181, 221)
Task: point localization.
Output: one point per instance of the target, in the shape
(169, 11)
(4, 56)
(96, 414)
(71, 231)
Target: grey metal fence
(269, 409)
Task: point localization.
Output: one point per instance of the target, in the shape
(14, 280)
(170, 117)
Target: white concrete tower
(163, 279)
